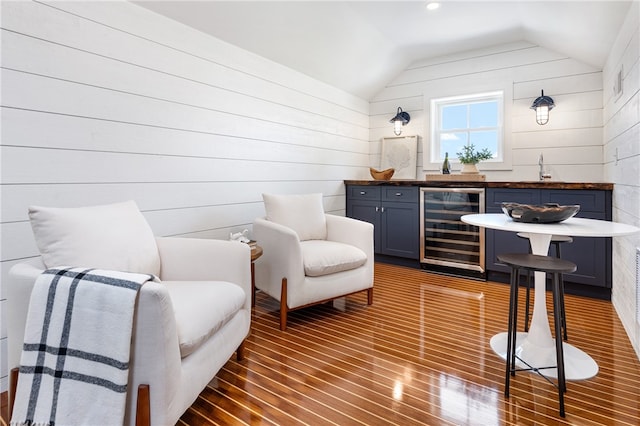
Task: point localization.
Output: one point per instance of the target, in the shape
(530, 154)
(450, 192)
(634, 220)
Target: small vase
(469, 169)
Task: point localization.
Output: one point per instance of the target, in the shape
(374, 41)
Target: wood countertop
(471, 184)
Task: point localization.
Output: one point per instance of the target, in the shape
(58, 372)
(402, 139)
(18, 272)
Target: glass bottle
(446, 166)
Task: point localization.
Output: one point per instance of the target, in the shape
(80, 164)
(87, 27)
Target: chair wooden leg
(143, 408)
(283, 305)
(370, 296)
(240, 351)
(13, 385)
(253, 285)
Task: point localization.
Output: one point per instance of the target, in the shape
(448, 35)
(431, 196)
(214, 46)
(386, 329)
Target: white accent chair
(310, 257)
(186, 327)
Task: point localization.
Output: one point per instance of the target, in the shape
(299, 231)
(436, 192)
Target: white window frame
(436, 110)
(438, 91)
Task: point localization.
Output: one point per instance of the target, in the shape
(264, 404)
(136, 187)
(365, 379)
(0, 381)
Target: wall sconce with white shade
(401, 119)
(542, 105)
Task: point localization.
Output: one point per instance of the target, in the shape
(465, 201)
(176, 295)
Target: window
(464, 120)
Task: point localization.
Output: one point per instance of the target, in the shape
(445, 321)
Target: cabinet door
(393, 211)
(400, 235)
(368, 211)
(591, 255)
(499, 242)
(363, 203)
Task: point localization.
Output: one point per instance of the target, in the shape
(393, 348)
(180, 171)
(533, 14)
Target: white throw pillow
(113, 236)
(303, 213)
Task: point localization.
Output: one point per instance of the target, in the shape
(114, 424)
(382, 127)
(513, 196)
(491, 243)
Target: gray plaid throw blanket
(75, 358)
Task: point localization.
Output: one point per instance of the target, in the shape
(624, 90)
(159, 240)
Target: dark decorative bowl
(546, 213)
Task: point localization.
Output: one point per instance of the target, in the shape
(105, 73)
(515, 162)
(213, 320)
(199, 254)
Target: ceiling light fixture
(542, 105)
(433, 5)
(401, 119)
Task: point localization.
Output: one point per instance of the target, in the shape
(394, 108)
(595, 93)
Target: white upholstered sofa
(186, 327)
(310, 257)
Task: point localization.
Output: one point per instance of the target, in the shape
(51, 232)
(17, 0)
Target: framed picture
(400, 153)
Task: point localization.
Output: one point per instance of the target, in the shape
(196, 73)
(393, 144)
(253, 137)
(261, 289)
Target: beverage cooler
(447, 244)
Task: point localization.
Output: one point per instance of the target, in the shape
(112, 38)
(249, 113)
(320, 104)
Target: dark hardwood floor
(419, 355)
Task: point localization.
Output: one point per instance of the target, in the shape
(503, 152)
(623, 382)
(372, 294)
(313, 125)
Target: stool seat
(535, 262)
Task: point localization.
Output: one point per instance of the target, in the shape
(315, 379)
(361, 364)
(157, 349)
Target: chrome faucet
(541, 174)
(541, 164)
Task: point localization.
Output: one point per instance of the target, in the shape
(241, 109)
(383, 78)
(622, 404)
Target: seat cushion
(201, 308)
(328, 257)
(304, 213)
(113, 237)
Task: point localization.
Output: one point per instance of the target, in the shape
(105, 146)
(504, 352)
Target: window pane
(488, 139)
(454, 117)
(452, 143)
(483, 114)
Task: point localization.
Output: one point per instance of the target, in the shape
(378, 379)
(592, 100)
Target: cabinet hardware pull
(382, 209)
(398, 194)
(377, 208)
(362, 192)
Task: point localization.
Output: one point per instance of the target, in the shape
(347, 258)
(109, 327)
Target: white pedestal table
(537, 347)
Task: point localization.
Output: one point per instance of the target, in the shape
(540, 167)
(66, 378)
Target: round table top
(575, 227)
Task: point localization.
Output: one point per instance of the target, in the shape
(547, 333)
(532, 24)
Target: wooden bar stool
(549, 265)
(556, 240)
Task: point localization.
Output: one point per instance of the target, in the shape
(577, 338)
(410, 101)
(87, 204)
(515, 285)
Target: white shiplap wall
(107, 101)
(622, 164)
(572, 140)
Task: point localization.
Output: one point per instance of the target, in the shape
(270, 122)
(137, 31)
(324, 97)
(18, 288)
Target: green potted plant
(469, 157)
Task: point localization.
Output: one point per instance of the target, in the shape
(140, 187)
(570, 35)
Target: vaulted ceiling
(359, 46)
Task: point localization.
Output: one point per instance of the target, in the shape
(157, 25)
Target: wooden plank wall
(622, 165)
(572, 140)
(107, 101)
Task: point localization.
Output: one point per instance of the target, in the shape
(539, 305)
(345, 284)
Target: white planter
(469, 169)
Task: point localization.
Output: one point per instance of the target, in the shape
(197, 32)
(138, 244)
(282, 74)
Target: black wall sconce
(542, 105)
(401, 119)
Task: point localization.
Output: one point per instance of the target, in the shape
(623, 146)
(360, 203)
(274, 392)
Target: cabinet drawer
(364, 192)
(407, 195)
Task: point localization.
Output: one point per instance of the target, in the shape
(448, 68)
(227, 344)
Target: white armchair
(186, 327)
(310, 257)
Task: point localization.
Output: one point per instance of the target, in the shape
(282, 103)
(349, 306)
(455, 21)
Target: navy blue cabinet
(394, 213)
(592, 255)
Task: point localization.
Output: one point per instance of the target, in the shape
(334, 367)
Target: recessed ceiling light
(433, 5)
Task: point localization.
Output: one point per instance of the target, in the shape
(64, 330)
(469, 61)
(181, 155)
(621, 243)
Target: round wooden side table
(256, 252)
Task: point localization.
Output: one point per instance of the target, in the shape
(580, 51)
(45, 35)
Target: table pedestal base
(577, 364)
